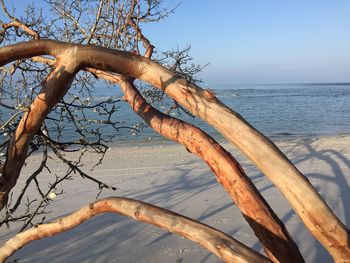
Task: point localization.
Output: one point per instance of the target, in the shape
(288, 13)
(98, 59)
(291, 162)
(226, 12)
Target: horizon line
(281, 83)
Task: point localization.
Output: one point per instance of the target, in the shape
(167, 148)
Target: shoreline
(166, 175)
(160, 140)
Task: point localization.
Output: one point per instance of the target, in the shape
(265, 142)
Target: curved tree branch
(306, 201)
(275, 238)
(17, 24)
(145, 42)
(53, 90)
(217, 242)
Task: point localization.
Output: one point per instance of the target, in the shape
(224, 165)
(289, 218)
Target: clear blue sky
(262, 41)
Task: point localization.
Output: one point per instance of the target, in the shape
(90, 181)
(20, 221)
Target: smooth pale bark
(305, 200)
(53, 90)
(275, 238)
(217, 242)
(17, 24)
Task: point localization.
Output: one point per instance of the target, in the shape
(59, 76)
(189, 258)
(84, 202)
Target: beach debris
(52, 195)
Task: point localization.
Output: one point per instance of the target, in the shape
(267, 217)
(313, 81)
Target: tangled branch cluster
(80, 122)
(37, 107)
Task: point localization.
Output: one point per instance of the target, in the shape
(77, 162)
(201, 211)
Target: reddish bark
(53, 90)
(306, 201)
(275, 238)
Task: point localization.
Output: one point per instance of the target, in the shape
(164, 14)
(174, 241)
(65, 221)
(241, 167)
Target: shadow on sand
(126, 241)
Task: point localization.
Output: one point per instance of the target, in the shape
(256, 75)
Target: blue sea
(280, 111)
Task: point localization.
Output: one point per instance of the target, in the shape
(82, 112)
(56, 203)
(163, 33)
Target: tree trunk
(53, 90)
(306, 201)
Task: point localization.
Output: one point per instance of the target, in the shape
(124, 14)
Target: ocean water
(290, 110)
(280, 111)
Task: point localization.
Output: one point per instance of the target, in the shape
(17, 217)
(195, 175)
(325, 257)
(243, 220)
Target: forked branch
(306, 201)
(53, 90)
(278, 244)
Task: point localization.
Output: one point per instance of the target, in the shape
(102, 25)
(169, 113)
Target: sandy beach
(165, 174)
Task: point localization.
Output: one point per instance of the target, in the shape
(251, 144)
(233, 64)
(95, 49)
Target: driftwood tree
(49, 59)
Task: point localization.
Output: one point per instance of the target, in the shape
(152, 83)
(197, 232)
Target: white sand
(165, 174)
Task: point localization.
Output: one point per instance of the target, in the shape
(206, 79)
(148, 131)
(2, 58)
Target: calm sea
(280, 111)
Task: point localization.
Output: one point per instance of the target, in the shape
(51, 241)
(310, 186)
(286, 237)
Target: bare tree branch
(116, 25)
(275, 238)
(204, 104)
(222, 245)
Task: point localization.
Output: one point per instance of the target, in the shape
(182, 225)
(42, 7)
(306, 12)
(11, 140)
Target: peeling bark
(278, 244)
(305, 200)
(217, 242)
(53, 90)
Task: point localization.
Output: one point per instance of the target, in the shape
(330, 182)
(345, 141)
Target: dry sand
(166, 175)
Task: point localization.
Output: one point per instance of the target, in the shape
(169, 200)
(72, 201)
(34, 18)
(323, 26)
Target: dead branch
(16, 23)
(145, 42)
(268, 228)
(278, 244)
(75, 168)
(306, 201)
(54, 88)
(217, 242)
(31, 177)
